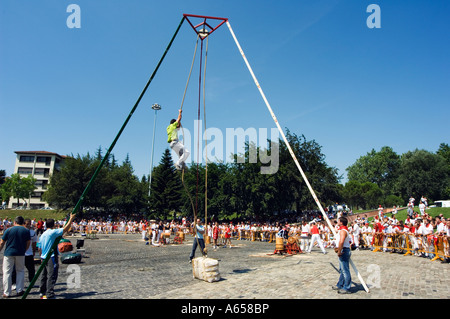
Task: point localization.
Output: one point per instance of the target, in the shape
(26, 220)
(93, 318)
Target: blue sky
(325, 73)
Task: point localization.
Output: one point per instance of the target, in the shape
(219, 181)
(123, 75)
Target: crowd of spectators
(418, 227)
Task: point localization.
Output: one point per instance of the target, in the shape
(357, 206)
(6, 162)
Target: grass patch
(33, 213)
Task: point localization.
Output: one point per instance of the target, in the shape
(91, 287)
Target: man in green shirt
(175, 144)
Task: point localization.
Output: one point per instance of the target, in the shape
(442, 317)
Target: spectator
(40, 227)
(16, 241)
(50, 271)
(29, 254)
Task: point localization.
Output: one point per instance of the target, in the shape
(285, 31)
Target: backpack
(71, 258)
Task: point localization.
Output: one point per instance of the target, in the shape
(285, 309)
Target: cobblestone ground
(120, 266)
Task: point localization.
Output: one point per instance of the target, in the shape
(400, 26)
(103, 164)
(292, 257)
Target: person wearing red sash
(343, 251)
(215, 234)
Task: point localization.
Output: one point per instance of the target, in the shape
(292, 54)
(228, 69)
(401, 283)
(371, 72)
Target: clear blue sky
(325, 73)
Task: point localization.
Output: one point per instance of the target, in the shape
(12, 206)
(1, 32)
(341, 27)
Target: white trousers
(316, 238)
(8, 265)
(304, 243)
(356, 240)
(180, 150)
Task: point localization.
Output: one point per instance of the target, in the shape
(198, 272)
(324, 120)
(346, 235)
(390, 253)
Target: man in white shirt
(29, 254)
(305, 236)
(367, 234)
(356, 231)
(422, 208)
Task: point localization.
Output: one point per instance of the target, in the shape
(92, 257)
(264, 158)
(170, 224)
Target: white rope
(290, 149)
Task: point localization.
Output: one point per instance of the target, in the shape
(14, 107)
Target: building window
(44, 159)
(42, 184)
(42, 171)
(25, 170)
(25, 158)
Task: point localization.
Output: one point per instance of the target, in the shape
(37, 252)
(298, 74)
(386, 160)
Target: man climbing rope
(175, 144)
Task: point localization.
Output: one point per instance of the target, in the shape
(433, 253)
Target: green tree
(126, 194)
(353, 195)
(19, 187)
(444, 151)
(323, 179)
(380, 168)
(67, 185)
(2, 176)
(423, 173)
(166, 187)
(372, 194)
(365, 195)
(5, 194)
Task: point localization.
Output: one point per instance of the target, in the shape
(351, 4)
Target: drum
(279, 243)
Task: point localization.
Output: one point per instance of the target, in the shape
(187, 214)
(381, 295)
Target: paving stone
(119, 266)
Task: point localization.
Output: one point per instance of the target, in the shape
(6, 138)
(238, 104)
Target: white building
(40, 165)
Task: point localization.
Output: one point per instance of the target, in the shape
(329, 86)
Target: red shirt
(314, 230)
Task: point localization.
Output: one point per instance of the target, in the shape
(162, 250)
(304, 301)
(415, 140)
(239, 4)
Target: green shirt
(172, 133)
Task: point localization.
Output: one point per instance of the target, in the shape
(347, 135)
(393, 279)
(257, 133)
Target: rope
(181, 108)
(195, 207)
(206, 140)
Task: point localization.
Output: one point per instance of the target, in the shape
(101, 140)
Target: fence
(433, 246)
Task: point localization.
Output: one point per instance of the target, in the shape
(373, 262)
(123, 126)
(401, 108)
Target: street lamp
(155, 107)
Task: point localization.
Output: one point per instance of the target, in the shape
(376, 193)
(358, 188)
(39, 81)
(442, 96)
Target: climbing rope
(195, 207)
(181, 108)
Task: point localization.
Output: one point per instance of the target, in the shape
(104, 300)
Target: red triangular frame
(196, 27)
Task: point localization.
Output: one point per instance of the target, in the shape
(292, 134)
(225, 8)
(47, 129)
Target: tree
(166, 187)
(380, 168)
(5, 194)
(2, 176)
(444, 151)
(423, 173)
(353, 195)
(323, 179)
(19, 187)
(126, 194)
(67, 185)
(372, 194)
(362, 195)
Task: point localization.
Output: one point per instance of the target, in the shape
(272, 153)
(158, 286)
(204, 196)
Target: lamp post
(155, 107)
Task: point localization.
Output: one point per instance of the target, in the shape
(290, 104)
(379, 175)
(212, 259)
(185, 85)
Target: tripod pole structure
(290, 149)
